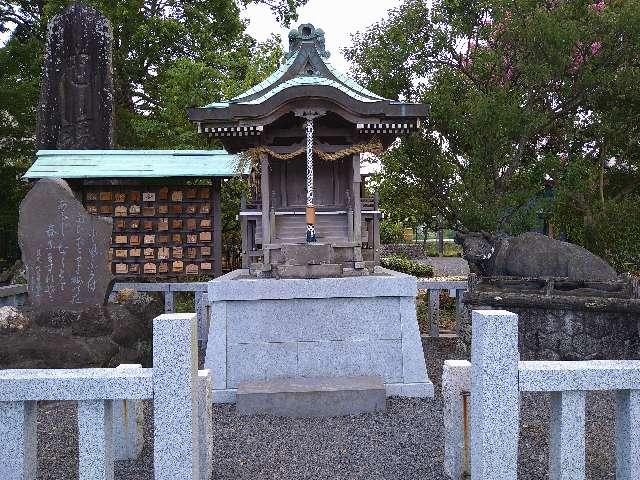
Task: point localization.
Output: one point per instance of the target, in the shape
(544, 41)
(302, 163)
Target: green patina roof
(275, 83)
(132, 164)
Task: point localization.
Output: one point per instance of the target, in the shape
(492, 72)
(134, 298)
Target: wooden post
(266, 197)
(216, 184)
(376, 229)
(357, 209)
(244, 234)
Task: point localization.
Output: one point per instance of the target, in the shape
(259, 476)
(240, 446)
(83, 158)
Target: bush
(391, 232)
(402, 264)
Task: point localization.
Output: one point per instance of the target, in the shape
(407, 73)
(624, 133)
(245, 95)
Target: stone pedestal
(263, 329)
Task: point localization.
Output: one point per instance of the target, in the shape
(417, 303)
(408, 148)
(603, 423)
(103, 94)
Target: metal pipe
(466, 470)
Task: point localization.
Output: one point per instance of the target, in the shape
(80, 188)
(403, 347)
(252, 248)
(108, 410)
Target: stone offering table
(263, 329)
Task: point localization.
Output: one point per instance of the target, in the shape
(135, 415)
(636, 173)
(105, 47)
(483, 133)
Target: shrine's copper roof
(86, 164)
(306, 74)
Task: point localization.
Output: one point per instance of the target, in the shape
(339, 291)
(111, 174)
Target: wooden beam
(266, 201)
(216, 185)
(357, 209)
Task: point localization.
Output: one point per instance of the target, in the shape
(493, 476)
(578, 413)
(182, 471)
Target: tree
(520, 93)
(168, 55)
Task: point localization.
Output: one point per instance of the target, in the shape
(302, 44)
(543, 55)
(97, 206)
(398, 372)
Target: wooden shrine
(304, 129)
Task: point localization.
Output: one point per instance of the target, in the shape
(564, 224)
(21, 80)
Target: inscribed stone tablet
(65, 249)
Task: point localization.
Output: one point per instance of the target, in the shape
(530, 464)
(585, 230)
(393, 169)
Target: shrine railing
(433, 288)
(481, 405)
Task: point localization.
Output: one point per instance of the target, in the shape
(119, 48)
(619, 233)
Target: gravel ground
(406, 442)
(447, 266)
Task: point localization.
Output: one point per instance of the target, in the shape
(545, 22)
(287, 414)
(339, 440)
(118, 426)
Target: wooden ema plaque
(157, 231)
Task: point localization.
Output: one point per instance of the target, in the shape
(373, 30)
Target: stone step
(312, 396)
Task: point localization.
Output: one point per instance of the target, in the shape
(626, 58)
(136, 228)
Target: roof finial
(307, 33)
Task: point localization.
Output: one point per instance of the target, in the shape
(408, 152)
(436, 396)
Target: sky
(338, 18)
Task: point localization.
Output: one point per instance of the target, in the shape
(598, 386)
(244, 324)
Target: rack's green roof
(132, 164)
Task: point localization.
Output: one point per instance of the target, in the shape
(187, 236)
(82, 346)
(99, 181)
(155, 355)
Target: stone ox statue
(531, 255)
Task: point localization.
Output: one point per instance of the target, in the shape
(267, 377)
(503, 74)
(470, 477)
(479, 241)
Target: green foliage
(520, 93)
(401, 263)
(450, 249)
(391, 232)
(168, 55)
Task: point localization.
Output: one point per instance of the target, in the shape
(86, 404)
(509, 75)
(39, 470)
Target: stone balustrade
(13, 295)
(109, 412)
(168, 289)
(495, 377)
(434, 287)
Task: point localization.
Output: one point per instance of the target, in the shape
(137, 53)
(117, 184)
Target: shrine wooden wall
(160, 231)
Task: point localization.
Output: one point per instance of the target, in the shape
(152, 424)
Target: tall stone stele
(76, 106)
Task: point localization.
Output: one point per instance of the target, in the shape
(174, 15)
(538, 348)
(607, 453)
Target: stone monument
(64, 248)
(76, 97)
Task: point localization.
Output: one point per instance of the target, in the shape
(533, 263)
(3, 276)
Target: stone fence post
(495, 397)
(175, 397)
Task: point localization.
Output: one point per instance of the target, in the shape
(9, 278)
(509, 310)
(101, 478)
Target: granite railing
(434, 287)
(169, 290)
(108, 428)
(13, 295)
(495, 377)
